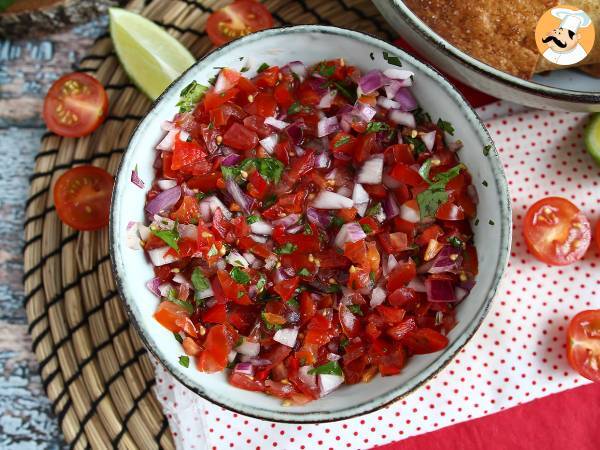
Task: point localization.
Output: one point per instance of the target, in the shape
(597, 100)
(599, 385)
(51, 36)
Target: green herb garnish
(286, 249)
(424, 170)
(190, 96)
(252, 219)
(455, 241)
(485, 183)
(169, 237)
(346, 91)
(239, 276)
(178, 337)
(269, 325)
(486, 150)
(294, 108)
(199, 281)
(374, 127)
(261, 283)
(263, 67)
(325, 70)
(422, 116)
(293, 303)
(342, 141)
(446, 126)
(304, 272)
(374, 210)
(435, 195)
(212, 251)
(391, 59)
(366, 228)
(355, 309)
(184, 361)
(331, 368)
(491, 222)
(344, 341)
(418, 144)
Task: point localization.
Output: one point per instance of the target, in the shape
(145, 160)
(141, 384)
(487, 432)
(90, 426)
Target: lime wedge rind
(152, 58)
(592, 137)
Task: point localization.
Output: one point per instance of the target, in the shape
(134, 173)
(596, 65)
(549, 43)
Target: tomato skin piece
(424, 340)
(246, 382)
(76, 104)
(286, 288)
(204, 183)
(406, 174)
(215, 314)
(342, 142)
(450, 211)
(169, 315)
(240, 138)
(398, 332)
(398, 153)
(237, 19)
(556, 232)
(213, 100)
(583, 344)
(82, 197)
(403, 273)
(188, 211)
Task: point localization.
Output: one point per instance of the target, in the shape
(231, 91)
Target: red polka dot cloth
(517, 355)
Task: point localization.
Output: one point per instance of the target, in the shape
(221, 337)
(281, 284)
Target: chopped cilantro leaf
(332, 288)
(252, 219)
(337, 222)
(372, 56)
(435, 195)
(294, 108)
(485, 183)
(262, 67)
(184, 361)
(244, 69)
(355, 309)
(331, 368)
(422, 116)
(418, 144)
(366, 228)
(424, 170)
(190, 95)
(199, 281)
(169, 237)
(476, 222)
(269, 168)
(261, 283)
(346, 91)
(293, 303)
(269, 325)
(178, 337)
(304, 272)
(212, 251)
(325, 70)
(239, 276)
(486, 150)
(446, 126)
(185, 305)
(374, 210)
(307, 229)
(491, 222)
(455, 241)
(286, 249)
(341, 141)
(344, 341)
(391, 59)
(374, 127)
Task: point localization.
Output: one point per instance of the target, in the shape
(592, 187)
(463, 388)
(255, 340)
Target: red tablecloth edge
(569, 420)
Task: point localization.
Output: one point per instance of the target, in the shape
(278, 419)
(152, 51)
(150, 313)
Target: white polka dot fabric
(517, 355)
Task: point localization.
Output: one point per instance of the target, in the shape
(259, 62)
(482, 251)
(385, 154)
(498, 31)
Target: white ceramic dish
(569, 90)
(312, 44)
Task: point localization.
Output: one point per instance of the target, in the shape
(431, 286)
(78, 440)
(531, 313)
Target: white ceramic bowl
(569, 90)
(312, 44)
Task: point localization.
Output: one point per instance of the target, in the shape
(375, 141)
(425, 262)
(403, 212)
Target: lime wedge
(592, 137)
(151, 57)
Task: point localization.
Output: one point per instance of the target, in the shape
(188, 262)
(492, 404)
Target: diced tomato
(308, 307)
(204, 183)
(267, 78)
(191, 347)
(401, 275)
(365, 147)
(213, 100)
(342, 142)
(370, 225)
(240, 138)
(406, 174)
(424, 340)
(215, 314)
(450, 211)
(217, 346)
(359, 278)
(246, 382)
(393, 242)
(283, 94)
(264, 105)
(231, 290)
(257, 124)
(188, 211)
(399, 153)
(286, 288)
(169, 315)
(220, 116)
(403, 297)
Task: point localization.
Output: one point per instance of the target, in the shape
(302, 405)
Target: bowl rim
(122, 182)
(485, 70)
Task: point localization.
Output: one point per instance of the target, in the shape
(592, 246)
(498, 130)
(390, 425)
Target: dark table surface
(27, 68)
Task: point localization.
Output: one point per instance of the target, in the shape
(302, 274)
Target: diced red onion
(331, 200)
(371, 171)
(159, 256)
(460, 293)
(135, 179)
(270, 262)
(398, 74)
(299, 150)
(231, 160)
(295, 133)
(371, 81)
(390, 206)
(295, 229)
(409, 214)
(244, 368)
(428, 139)
(144, 231)
(287, 221)
(153, 285)
(279, 275)
(164, 201)
(320, 218)
(206, 293)
(327, 126)
(221, 264)
(184, 136)
(448, 259)
(256, 361)
(329, 383)
(365, 111)
(327, 99)
(306, 378)
(322, 161)
(417, 285)
(402, 118)
(269, 143)
(278, 124)
(455, 146)
(439, 290)
(261, 227)
(286, 336)
(298, 68)
(165, 184)
(213, 203)
(222, 84)
(361, 198)
(164, 289)
(133, 239)
(387, 103)
(346, 122)
(189, 231)
(249, 257)
(179, 278)
(406, 99)
(231, 356)
(378, 296)
(162, 223)
(392, 88)
(472, 192)
(236, 260)
(248, 348)
(243, 201)
(166, 144)
(345, 191)
(258, 238)
(167, 125)
(390, 264)
(349, 232)
(333, 357)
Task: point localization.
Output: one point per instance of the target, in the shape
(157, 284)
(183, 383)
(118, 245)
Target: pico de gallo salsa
(308, 227)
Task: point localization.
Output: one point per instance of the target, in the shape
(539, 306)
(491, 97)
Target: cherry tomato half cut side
(75, 105)
(583, 344)
(240, 18)
(82, 197)
(556, 232)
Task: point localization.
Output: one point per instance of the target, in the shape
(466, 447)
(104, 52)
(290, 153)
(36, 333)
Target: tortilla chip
(499, 33)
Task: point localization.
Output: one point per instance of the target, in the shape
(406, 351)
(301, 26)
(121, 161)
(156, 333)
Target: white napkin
(517, 355)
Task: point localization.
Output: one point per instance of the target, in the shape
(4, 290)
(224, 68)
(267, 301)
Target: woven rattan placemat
(94, 368)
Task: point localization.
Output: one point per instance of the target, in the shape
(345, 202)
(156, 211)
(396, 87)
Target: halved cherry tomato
(82, 197)
(240, 18)
(556, 232)
(75, 105)
(583, 344)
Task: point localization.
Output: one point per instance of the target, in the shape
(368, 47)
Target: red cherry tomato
(556, 232)
(583, 344)
(75, 105)
(82, 197)
(240, 18)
